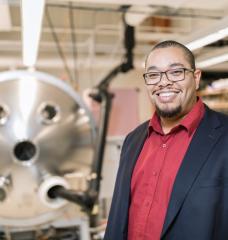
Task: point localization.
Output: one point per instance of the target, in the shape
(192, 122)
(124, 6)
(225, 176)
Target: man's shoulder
(136, 136)
(222, 117)
(140, 128)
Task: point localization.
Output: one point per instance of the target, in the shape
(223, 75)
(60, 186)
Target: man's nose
(164, 80)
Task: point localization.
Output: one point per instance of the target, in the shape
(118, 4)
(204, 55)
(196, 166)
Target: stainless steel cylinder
(46, 137)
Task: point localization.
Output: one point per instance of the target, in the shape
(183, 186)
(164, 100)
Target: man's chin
(168, 113)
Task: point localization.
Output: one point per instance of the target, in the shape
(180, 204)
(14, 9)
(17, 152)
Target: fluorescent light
(208, 35)
(32, 15)
(207, 39)
(213, 61)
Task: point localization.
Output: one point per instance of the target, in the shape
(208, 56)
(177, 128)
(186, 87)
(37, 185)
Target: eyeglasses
(173, 75)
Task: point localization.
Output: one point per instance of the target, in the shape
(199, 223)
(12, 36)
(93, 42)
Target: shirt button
(154, 173)
(163, 145)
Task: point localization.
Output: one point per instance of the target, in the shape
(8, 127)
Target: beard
(168, 113)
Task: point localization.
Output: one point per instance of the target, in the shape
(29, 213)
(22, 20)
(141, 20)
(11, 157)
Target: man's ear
(197, 77)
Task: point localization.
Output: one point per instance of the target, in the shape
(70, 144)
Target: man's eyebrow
(176, 65)
(151, 68)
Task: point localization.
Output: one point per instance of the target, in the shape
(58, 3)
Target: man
(172, 182)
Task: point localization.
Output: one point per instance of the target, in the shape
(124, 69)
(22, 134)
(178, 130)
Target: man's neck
(169, 123)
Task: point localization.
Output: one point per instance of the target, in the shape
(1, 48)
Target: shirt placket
(150, 196)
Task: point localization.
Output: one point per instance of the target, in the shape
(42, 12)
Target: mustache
(165, 89)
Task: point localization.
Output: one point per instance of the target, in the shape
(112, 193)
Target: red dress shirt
(155, 172)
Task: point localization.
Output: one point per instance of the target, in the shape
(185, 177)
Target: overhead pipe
(102, 95)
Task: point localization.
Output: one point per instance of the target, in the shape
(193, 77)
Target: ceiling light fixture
(212, 34)
(32, 15)
(135, 15)
(212, 61)
(207, 39)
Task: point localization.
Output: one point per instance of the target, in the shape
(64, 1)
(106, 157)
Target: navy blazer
(198, 206)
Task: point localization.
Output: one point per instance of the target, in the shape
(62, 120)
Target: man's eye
(153, 75)
(176, 72)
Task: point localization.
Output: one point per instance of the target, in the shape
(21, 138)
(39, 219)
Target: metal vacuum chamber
(47, 139)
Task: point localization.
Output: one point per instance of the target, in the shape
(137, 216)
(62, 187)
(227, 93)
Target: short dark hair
(171, 43)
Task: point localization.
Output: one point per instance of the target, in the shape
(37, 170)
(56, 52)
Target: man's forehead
(171, 56)
(165, 50)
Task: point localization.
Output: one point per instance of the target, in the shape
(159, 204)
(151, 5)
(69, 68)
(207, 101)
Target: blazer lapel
(202, 143)
(131, 156)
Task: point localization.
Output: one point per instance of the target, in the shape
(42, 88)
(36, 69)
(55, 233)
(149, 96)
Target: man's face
(172, 99)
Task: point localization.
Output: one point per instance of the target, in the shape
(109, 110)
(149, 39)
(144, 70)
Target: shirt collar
(189, 122)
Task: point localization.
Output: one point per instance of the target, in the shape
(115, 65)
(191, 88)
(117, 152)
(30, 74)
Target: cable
(55, 37)
(73, 40)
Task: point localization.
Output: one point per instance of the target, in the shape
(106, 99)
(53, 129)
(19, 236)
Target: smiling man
(172, 81)
(172, 182)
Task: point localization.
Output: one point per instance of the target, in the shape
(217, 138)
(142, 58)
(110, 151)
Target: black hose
(84, 199)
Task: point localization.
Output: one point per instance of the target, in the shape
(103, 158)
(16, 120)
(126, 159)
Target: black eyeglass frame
(165, 72)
